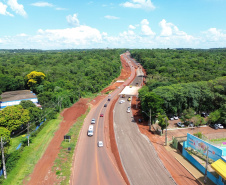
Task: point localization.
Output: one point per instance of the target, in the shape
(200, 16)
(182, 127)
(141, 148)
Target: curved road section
(138, 156)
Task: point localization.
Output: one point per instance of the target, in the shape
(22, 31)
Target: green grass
(219, 140)
(30, 155)
(63, 163)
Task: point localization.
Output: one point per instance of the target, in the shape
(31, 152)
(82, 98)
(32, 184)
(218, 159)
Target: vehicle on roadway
(121, 101)
(175, 117)
(101, 115)
(128, 110)
(100, 144)
(109, 99)
(105, 105)
(129, 99)
(93, 121)
(90, 131)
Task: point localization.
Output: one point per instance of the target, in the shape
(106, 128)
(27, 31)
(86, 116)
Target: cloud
(42, 4)
(169, 29)
(3, 11)
(142, 4)
(17, 8)
(132, 27)
(111, 17)
(146, 30)
(82, 35)
(215, 35)
(73, 20)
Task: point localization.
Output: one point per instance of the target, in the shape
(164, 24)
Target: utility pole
(3, 160)
(205, 176)
(150, 121)
(28, 134)
(166, 121)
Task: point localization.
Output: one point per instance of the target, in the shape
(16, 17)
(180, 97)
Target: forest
(66, 75)
(181, 80)
(59, 78)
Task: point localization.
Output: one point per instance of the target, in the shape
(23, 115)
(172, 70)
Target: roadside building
(15, 97)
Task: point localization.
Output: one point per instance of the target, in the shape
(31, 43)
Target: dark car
(215, 126)
(105, 105)
(109, 99)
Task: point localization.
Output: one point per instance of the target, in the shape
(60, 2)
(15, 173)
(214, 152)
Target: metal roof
(220, 167)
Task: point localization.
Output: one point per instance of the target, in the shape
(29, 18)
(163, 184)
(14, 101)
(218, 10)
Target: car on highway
(128, 110)
(93, 121)
(121, 101)
(129, 99)
(179, 124)
(101, 115)
(105, 105)
(130, 86)
(100, 144)
(109, 99)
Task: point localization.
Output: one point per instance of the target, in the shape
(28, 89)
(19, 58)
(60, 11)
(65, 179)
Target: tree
(198, 120)
(187, 114)
(35, 77)
(27, 103)
(214, 116)
(162, 121)
(12, 117)
(5, 134)
(153, 102)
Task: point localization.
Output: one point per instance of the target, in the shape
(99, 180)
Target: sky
(134, 24)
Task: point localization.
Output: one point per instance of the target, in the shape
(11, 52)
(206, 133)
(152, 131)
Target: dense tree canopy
(184, 79)
(12, 117)
(59, 78)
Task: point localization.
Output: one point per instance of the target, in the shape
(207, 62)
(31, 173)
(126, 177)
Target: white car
(100, 144)
(121, 101)
(220, 125)
(176, 117)
(93, 121)
(128, 110)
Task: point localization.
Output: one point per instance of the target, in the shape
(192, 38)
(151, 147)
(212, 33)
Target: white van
(90, 131)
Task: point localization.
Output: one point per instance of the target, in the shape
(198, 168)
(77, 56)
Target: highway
(92, 164)
(138, 156)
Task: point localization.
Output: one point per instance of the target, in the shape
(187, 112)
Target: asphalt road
(138, 156)
(92, 164)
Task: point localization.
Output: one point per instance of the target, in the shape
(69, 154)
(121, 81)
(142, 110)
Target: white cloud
(111, 17)
(42, 4)
(169, 29)
(82, 35)
(61, 8)
(146, 30)
(3, 11)
(73, 20)
(214, 35)
(17, 8)
(132, 27)
(143, 4)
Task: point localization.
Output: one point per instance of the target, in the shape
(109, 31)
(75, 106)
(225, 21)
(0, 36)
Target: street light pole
(205, 176)
(149, 124)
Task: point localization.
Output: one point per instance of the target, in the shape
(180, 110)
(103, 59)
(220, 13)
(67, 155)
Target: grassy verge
(30, 155)
(63, 163)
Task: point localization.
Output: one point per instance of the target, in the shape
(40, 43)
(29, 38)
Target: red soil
(44, 172)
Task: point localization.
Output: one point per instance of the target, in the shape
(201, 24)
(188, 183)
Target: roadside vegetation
(59, 79)
(184, 83)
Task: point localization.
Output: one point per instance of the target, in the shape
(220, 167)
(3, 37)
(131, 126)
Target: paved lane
(138, 155)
